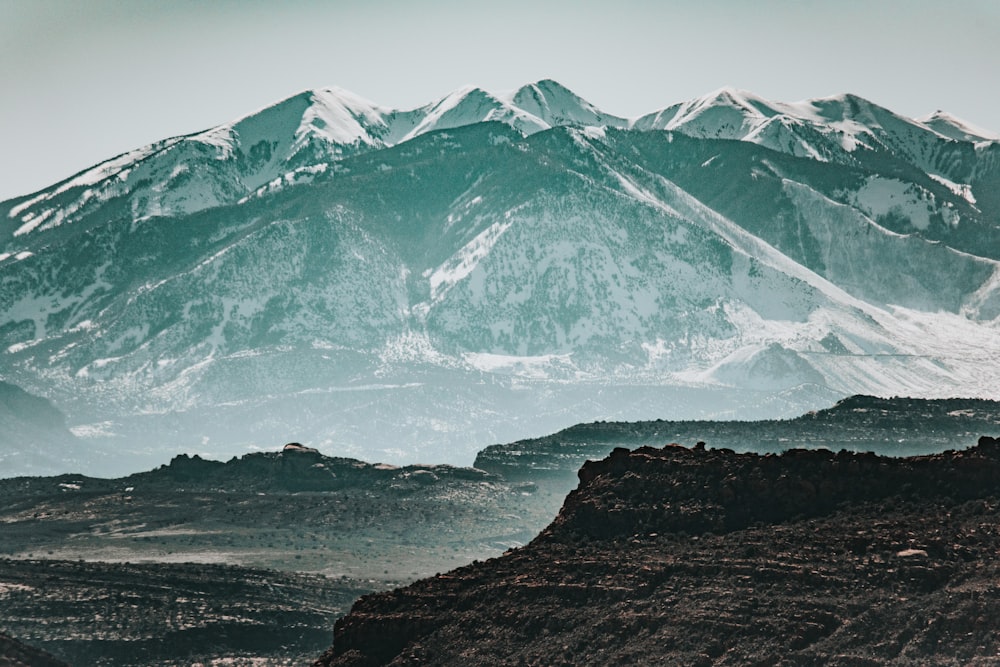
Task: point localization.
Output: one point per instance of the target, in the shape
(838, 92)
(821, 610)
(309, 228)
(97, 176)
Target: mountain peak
(465, 106)
(739, 263)
(737, 98)
(545, 88)
(956, 128)
(556, 105)
(730, 94)
(338, 114)
(846, 107)
(725, 113)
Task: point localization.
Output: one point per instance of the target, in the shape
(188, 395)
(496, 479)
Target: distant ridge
(887, 426)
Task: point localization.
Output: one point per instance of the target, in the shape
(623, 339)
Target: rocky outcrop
(709, 557)
(675, 489)
(299, 468)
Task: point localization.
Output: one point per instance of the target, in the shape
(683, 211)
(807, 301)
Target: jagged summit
(340, 115)
(469, 105)
(830, 128)
(308, 130)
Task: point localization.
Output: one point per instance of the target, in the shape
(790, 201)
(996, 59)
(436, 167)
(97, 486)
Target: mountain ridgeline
(415, 284)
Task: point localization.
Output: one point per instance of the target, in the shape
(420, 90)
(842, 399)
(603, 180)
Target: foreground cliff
(693, 556)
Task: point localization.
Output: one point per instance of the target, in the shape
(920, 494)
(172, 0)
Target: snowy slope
(188, 174)
(558, 106)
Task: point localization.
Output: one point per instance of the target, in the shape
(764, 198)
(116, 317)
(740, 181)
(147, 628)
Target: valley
(249, 561)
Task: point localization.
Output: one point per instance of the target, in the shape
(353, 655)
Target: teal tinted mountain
(411, 285)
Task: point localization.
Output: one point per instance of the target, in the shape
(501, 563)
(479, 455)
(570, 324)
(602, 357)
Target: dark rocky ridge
(297, 468)
(291, 510)
(692, 556)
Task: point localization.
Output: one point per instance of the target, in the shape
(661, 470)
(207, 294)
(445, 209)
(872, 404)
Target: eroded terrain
(709, 557)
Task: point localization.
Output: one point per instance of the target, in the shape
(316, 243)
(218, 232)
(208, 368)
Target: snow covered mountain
(417, 284)
(290, 141)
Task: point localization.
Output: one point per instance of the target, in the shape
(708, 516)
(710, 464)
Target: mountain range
(416, 284)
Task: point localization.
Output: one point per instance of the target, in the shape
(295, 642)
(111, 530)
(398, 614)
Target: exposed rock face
(299, 447)
(680, 490)
(678, 556)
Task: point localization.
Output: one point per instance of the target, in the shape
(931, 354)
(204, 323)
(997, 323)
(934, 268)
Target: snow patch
(411, 346)
(85, 325)
(466, 259)
(961, 189)
(18, 256)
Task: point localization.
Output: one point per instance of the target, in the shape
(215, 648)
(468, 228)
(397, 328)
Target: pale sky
(84, 80)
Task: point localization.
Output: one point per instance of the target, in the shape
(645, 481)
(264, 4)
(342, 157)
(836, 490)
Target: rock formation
(709, 557)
